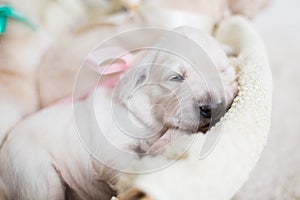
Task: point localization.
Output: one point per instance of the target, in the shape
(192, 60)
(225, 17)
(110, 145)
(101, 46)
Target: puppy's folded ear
(109, 60)
(132, 79)
(135, 69)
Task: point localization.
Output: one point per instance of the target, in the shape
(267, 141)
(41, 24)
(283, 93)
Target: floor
(277, 174)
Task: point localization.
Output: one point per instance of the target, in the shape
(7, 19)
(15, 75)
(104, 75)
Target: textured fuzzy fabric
(277, 174)
(244, 131)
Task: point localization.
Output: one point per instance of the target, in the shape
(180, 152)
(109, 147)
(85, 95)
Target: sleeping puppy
(78, 151)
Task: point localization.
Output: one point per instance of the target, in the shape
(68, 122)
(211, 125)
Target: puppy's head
(186, 82)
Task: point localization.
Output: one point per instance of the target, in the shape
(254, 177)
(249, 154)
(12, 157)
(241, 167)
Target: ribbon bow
(8, 12)
(119, 61)
(106, 61)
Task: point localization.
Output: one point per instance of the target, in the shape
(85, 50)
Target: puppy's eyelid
(177, 77)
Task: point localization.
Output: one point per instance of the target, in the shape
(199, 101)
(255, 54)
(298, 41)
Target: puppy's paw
(134, 194)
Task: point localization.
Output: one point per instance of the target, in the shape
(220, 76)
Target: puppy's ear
(136, 76)
(132, 80)
(108, 60)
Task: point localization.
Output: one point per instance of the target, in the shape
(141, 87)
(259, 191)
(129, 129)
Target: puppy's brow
(183, 73)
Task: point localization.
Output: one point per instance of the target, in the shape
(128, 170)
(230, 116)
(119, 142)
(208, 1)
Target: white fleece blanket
(244, 131)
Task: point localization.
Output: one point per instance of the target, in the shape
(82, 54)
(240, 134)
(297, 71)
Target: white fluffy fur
(244, 133)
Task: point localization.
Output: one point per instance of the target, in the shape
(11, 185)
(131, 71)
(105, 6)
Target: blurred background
(277, 174)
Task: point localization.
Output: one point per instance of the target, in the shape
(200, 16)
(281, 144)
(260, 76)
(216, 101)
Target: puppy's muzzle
(211, 114)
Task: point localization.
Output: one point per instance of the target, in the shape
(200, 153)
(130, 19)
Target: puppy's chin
(187, 128)
(193, 126)
(203, 129)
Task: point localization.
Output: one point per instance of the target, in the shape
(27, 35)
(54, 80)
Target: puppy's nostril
(205, 111)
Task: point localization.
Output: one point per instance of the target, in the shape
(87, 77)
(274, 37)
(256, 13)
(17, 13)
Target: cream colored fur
(20, 53)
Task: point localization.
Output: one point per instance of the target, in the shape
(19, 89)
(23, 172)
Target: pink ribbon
(111, 60)
(106, 61)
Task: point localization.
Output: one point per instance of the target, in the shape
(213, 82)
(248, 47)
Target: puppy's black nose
(205, 111)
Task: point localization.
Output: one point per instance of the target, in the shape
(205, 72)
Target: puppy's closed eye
(177, 78)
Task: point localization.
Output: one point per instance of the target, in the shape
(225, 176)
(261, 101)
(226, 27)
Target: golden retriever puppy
(78, 151)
